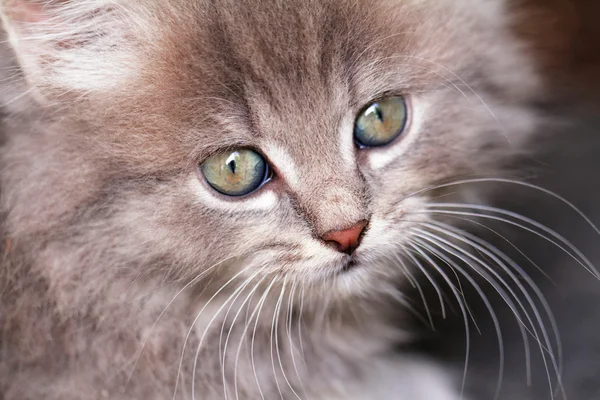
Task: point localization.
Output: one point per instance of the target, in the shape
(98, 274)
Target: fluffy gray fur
(123, 276)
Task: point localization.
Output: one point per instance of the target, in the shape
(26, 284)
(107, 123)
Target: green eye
(236, 173)
(381, 122)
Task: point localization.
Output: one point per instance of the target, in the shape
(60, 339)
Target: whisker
(583, 260)
(448, 84)
(300, 313)
(18, 97)
(487, 107)
(444, 244)
(191, 283)
(510, 262)
(236, 293)
(511, 244)
(293, 348)
(279, 351)
(273, 333)
(490, 309)
(433, 283)
(239, 311)
(404, 302)
(462, 292)
(409, 276)
(415, 284)
(417, 248)
(440, 292)
(356, 59)
(459, 79)
(448, 248)
(505, 261)
(220, 347)
(257, 310)
(194, 323)
(513, 182)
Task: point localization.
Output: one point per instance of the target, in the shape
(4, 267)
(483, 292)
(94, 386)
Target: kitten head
(279, 141)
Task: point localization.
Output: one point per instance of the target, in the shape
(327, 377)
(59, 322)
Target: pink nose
(346, 240)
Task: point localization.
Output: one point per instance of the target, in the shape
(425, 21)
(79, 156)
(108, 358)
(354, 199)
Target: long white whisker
(415, 284)
(487, 107)
(462, 306)
(490, 309)
(239, 311)
(444, 244)
(494, 253)
(477, 95)
(521, 273)
(404, 302)
(187, 336)
(504, 238)
(293, 349)
(373, 44)
(273, 333)
(433, 283)
(278, 349)
(300, 339)
(236, 293)
(456, 251)
(442, 295)
(257, 310)
(452, 249)
(582, 260)
(25, 93)
(191, 283)
(411, 278)
(518, 183)
(231, 304)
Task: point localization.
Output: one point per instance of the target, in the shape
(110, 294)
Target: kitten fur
(124, 276)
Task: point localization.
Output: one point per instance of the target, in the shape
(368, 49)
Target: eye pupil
(381, 122)
(378, 112)
(232, 166)
(231, 161)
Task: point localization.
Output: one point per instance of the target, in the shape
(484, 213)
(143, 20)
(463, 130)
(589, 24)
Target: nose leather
(346, 240)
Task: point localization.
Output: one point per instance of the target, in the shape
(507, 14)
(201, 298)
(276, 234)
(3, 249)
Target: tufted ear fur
(74, 46)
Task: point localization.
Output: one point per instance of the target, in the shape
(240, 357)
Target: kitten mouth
(349, 263)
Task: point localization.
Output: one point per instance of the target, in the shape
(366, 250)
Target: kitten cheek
(390, 228)
(265, 200)
(379, 158)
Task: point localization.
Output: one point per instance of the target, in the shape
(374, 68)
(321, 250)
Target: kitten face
(134, 106)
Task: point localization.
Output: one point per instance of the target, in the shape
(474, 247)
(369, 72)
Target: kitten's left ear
(72, 46)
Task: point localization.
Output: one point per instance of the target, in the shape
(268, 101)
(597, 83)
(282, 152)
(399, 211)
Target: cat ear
(25, 11)
(70, 46)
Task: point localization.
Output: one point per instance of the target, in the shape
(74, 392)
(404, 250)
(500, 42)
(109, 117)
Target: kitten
(224, 199)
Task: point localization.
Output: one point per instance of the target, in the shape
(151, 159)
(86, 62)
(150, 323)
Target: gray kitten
(223, 199)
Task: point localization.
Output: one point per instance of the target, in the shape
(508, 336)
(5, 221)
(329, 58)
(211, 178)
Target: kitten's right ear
(71, 46)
